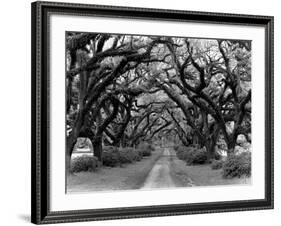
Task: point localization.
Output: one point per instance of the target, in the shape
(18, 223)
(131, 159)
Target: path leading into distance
(160, 174)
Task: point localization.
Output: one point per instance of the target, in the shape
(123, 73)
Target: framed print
(149, 112)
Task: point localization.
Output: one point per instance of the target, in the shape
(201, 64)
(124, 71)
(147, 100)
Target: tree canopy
(126, 89)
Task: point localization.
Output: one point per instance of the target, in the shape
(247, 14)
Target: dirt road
(162, 174)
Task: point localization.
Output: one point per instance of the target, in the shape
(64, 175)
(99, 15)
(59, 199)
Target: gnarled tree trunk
(97, 148)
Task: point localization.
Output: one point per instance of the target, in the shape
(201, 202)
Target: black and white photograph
(156, 112)
(133, 113)
(145, 112)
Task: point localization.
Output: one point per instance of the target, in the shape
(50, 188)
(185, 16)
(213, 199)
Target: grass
(129, 176)
(202, 175)
(132, 176)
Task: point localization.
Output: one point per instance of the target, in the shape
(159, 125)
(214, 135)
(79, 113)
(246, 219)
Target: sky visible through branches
(124, 90)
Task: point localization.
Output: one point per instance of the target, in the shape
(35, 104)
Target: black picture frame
(40, 211)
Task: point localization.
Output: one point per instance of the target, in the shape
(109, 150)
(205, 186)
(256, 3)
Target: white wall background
(15, 112)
